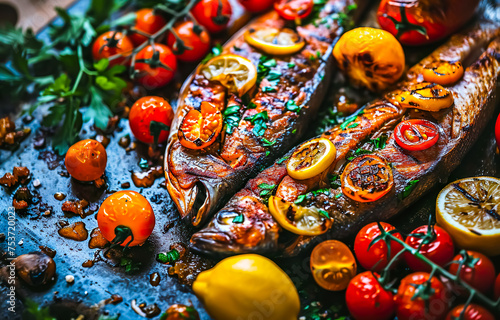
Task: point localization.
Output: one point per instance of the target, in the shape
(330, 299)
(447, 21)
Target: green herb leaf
(408, 189)
(324, 213)
(239, 218)
(292, 106)
(168, 257)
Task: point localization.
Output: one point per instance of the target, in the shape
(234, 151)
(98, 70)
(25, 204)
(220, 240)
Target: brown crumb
(8, 134)
(76, 207)
(22, 198)
(75, 231)
(19, 174)
(147, 179)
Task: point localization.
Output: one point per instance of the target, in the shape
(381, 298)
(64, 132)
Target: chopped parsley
(338, 195)
(168, 257)
(294, 130)
(232, 118)
(268, 143)
(380, 142)
(269, 89)
(291, 64)
(259, 121)
(266, 191)
(408, 189)
(280, 161)
(335, 181)
(268, 153)
(292, 106)
(239, 218)
(354, 125)
(236, 48)
(324, 213)
(300, 198)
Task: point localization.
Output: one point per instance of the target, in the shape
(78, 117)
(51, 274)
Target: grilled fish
(460, 125)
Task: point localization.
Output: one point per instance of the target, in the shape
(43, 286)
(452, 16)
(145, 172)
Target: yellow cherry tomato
(443, 72)
(424, 96)
(311, 158)
(247, 286)
(275, 41)
(333, 265)
(306, 221)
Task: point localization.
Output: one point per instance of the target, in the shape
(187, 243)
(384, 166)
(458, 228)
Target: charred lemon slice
(199, 129)
(311, 158)
(235, 72)
(443, 72)
(469, 210)
(275, 41)
(299, 220)
(425, 96)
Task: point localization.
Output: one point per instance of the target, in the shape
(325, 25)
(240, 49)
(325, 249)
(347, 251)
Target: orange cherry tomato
(477, 270)
(199, 129)
(195, 45)
(473, 312)
(147, 22)
(148, 109)
(294, 9)
(181, 312)
(425, 96)
(156, 66)
(126, 218)
(112, 43)
(367, 178)
(86, 160)
(443, 72)
(214, 15)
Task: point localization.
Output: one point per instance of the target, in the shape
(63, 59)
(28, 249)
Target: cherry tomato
(473, 312)
(443, 72)
(478, 270)
(294, 9)
(181, 312)
(199, 129)
(424, 96)
(497, 287)
(410, 305)
(439, 249)
(214, 15)
(256, 6)
(149, 109)
(497, 131)
(376, 257)
(112, 43)
(147, 22)
(416, 134)
(86, 160)
(156, 66)
(366, 299)
(195, 46)
(126, 218)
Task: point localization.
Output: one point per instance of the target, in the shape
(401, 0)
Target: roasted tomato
(148, 109)
(367, 178)
(443, 72)
(425, 96)
(146, 22)
(370, 57)
(181, 312)
(86, 160)
(410, 302)
(199, 129)
(375, 256)
(294, 9)
(275, 41)
(112, 43)
(126, 218)
(214, 15)
(497, 131)
(311, 158)
(188, 44)
(366, 299)
(438, 247)
(477, 270)
(473, 312)
(416, 134)
(156, 66)
(417, 22)
(256, 6)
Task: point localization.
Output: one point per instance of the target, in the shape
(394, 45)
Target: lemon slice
(311, 158)
(235, 72)
(275, 41)
(469, 210)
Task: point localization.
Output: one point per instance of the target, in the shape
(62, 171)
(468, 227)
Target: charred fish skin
(201, 181)
(475, 97)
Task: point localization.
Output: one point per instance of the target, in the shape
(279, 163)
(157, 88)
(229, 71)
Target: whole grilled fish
(201, 181)
(460, 125)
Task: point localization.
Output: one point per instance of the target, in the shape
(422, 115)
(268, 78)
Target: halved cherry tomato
(425, 96)
(156, 66)
(110, 44)
(367, 178)
(416, 134)
(148, 109)
(410, 302)
(438, 247)
(199, 129)
(497, 131)
(256, 6)
(294, 9)
(299, 220)
(214, 15)
(472, 312)
(195, 45)
(375, 256)
(477, 270)
(443, 72)
(147, 22)
(366, 299)
(275, 41)
(86, 160)
(126, 218)
(311, 158)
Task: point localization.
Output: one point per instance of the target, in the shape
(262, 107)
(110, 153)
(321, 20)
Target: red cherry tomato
(149, 109)
(214, 15)
(497, 131)
(294, 9)
(473, 312)
(416, 134)
(376, 257)
(256, 6)
(196, 45)
(478, 270)
(156, 66)
(439, 249)
(112, 43)
(367, 299)
(497, 287)
(410, 306)
(146, 22)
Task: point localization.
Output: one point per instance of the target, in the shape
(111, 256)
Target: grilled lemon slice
(275, 41)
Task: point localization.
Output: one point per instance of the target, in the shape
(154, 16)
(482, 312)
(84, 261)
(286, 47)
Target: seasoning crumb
(59, 196)
(125, 185)
(36, 183)
(21, 242)
(69, 278)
